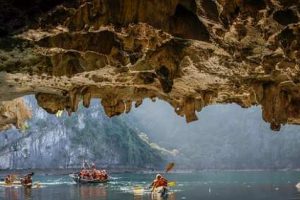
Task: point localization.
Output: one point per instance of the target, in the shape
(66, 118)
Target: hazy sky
(224, 135)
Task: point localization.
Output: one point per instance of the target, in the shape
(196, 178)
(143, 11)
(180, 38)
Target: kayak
(18, 184)
(77, 179)
(29, 185)
(15, 183)
(161, 191)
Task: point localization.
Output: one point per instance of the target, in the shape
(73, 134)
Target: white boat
(77, 179)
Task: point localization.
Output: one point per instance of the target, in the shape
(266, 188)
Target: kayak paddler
(27, 179)
(159, 181)
(8, 179)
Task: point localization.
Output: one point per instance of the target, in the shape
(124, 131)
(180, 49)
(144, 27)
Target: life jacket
(161, 182)
(105, 176)
(26, 181)
(81, 174)
(8, 180)
(85, 174)
(94, 174)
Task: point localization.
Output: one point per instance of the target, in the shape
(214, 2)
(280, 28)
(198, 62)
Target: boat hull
(77, 179)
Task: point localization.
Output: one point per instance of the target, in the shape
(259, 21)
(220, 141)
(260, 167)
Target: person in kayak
(27, 179)
(8, 179)
(159, 181)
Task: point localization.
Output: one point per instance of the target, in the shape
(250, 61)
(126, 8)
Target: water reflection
(92, 192)
(11, 193)
(17, 193)
(137, 197)
(140, 193)
(206, 185)
(27, 193)
(171, 196)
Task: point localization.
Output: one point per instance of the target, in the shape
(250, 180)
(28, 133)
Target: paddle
(172, 183)
(170, 166)
(37, 184)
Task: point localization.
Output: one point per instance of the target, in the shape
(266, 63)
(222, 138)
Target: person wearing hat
(27, 179)
(8, 179)
(159, 181)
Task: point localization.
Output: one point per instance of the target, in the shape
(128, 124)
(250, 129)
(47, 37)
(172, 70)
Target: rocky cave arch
(190, 53)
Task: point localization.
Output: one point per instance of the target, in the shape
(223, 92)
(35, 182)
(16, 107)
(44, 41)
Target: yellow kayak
(18, 183)
(15, 183)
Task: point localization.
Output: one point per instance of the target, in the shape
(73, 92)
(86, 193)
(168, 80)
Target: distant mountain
(64, 142)
(224, 137)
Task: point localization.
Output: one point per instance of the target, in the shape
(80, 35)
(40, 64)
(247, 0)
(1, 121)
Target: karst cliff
(190, 53)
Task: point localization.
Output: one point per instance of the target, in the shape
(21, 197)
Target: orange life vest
(8, 180)
(26, 181)
(161, 182)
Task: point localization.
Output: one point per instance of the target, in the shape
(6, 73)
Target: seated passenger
(8, 179)
(27, 179)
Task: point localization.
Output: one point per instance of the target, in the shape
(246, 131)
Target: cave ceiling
(189, 53)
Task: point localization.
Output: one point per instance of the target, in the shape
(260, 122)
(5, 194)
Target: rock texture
(13, 113)
(64, 142)
(190, 53)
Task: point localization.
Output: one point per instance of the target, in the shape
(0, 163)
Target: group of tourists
(25, 180)
(93, 174)
(90, 175)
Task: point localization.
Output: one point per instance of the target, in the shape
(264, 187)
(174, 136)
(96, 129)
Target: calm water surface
(196, 186)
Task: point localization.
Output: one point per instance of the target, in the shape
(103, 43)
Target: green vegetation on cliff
(51, 142)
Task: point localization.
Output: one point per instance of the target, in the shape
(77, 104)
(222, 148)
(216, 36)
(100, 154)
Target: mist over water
(224, 137)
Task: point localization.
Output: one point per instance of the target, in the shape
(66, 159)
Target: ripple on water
(125, 186)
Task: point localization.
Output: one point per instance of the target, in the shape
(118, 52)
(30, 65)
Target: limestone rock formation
(14, 112)
(52, 142)
(190, 53)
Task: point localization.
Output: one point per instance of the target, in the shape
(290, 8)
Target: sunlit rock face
(190, 53)
(13, 113)
(51, 141)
